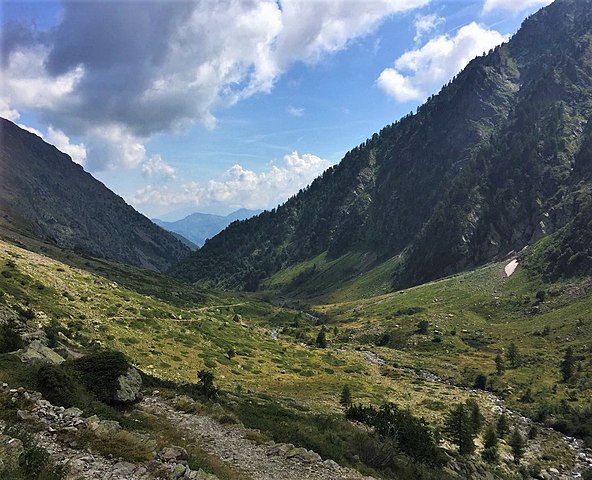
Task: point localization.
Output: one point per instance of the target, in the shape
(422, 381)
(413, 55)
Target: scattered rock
(296, 452)
(107, 427)
(11, 450)
(174, 454)
(37, 352)
(129, 387)
(179, 471)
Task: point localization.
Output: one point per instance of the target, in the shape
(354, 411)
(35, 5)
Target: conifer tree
(321, 341)
(513, 355)
(460, 429)
(475, 415)
(346, 397)
(500, 367)
(490, 445)
(503, 427)
(517, 444)
(568, 364)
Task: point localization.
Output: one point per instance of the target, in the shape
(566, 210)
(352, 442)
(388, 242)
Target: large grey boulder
(37, 352)
(129, 387)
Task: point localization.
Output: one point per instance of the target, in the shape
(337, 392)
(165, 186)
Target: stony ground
(268, 461)
(57, 428)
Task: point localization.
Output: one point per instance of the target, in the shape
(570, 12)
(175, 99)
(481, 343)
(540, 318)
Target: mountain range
(497, 160)
(44, 191)
(198, 227)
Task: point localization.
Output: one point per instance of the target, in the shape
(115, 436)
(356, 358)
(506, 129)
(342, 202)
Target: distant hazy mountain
(498, 159)
(43, 190)
(198, 227)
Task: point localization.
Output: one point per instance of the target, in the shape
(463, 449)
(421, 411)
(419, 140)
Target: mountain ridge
(198, 227)
(43, 190)
(483, 168)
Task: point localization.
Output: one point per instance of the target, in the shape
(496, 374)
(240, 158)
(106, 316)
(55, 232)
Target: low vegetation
(282, 370)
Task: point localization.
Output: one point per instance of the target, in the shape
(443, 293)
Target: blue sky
(214, 105)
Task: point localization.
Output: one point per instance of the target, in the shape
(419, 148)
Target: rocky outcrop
(58, 428)
(37, 352)
(129, 387)
(264, 461)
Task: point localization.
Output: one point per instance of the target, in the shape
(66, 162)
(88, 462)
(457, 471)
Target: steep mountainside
(198, 227)
(41, 188)
(490, 164)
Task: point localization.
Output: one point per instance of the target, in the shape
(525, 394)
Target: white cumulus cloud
(418, 73)
(62, 142)
(156, 166)
(114, 146)
(117, 73)
(240, 186)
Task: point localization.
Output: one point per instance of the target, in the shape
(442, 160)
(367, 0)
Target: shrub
(123, 444)
(56, 385)
(346, 397)
(481, 381)
(374, 450)
(52, 330)
(99, 373)
(206, 385)
(10, 338)
(413, 436)
(422, 327)
(321, 341)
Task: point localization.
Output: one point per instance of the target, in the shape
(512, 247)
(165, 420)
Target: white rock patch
(511, 267)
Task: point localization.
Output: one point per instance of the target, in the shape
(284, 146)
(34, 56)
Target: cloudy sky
(212, 105)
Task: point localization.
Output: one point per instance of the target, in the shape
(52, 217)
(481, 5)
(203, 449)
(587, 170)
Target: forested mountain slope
(498, 159)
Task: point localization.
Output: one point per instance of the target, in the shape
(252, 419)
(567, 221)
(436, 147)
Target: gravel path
(83, 465)
(269, 461)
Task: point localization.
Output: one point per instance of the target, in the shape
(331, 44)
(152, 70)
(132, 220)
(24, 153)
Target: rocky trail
(266, 461)
(59, 432)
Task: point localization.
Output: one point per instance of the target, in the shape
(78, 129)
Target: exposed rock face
(51, 420)
(42, 189)
(37, 352)
(129, 387)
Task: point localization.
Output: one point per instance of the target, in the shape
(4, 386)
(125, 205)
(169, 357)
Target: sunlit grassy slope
(172, 330)
(175, 339)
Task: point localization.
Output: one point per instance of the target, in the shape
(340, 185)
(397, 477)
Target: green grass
(173, 330)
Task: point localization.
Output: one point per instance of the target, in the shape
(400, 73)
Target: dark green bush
(10, 339)
(413, 436)
(99, 373)
(206, 384)
(56, 385)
